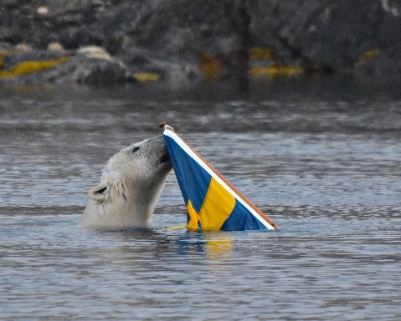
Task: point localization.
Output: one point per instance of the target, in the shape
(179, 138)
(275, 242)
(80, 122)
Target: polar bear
(129, 187)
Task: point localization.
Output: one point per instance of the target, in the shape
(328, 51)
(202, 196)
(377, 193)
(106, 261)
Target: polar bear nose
(165, 158)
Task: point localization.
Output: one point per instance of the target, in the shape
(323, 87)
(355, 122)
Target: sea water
(325, 168)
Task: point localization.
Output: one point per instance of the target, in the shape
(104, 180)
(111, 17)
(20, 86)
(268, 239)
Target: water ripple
(327, 172)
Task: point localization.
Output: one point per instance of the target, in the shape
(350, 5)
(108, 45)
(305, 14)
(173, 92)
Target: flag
(212, 202)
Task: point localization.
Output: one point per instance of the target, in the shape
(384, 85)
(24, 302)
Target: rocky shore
(109, 42)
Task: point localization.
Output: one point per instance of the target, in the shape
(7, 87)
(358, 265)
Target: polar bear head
(129, 187)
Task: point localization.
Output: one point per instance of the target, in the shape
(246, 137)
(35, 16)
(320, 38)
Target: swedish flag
(212, 202)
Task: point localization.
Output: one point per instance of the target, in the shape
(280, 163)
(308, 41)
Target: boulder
(166, 37)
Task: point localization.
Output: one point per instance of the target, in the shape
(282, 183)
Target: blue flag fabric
(212, 202)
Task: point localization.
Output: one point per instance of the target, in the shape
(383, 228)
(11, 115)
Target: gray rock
(77, 69)
(166, 36)
(33, 55)
(332, 34)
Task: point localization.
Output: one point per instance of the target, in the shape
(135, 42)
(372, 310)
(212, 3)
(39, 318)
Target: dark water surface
(322, 161)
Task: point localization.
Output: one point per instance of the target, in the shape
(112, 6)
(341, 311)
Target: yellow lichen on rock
(257, 53)
(277, 70)
(209, 66)
(261, 63)
(31, 66)
(145, 76)
(368, 55)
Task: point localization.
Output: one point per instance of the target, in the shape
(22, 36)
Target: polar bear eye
(135, 149)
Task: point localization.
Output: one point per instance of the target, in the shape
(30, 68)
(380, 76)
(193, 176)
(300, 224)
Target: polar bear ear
(100, 192)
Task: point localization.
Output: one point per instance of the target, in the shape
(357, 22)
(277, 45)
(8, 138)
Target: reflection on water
(324, 168)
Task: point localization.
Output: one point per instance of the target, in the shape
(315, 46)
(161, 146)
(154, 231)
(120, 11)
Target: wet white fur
(129, 187)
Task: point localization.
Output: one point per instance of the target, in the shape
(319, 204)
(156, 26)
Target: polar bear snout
(165, 158)
(156, 145)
